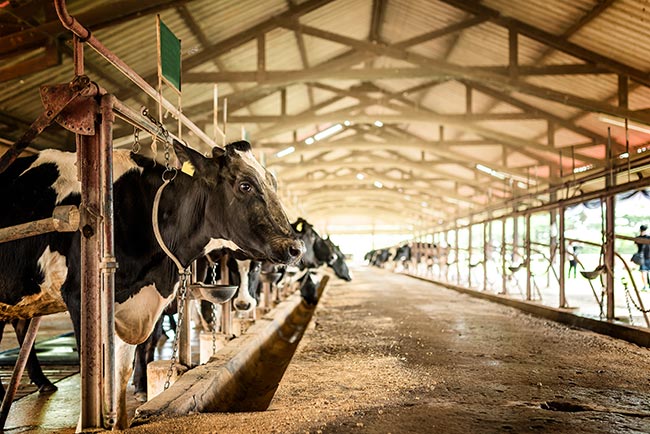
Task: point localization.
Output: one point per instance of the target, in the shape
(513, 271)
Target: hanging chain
(136, 141)
(637, 307)
(627, 302)
(213, 275)
(179, 327)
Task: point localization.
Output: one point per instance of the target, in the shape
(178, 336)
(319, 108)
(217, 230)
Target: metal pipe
(504, 277)
(108, 261)
(88, 162)
(469, 255)
(561, 229)
(528, 261)
(19, 368)
(70, 23)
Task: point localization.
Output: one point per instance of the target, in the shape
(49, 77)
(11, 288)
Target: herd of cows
(229, 205)
(418, 257)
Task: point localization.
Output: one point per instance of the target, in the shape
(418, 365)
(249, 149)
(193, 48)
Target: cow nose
(296, 250)
(242, 306)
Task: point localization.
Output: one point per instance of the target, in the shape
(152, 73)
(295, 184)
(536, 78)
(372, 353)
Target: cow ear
(217, 152)
(184, 153)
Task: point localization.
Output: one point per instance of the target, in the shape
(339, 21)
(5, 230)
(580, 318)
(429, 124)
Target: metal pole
(563, 300)
(23, 355)
(109, 263)
(70, 23)
(88, 162)
(469, 255)
(504, 277)
(487, 241)
(529, 291)
(610, 203)
(457, 256)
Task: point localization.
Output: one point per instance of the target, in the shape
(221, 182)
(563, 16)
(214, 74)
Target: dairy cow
(230, 201)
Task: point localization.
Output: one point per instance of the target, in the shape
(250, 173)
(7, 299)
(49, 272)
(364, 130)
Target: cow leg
(124, 355)
(33, 365)
(144, 354)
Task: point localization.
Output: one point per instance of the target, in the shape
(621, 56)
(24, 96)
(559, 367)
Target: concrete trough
(245, 374)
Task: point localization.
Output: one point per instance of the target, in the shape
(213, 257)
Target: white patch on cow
(48, 300)
(122, 163)
(124, 356)
(218, 244)
(243, 295)
(67, 182)
(249, 158)
(66, 162)
(136, 317)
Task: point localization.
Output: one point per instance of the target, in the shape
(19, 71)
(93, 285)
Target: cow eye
(245, 187)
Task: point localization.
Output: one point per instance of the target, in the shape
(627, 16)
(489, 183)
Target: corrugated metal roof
(620, 32)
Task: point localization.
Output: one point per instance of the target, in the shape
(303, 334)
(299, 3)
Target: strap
(156, 228)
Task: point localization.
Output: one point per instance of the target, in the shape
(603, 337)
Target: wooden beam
(559, 43)
(461, 72)
(501, 96)
(39, 62)
(453, 28)
(105, 15)
(369, 119)
(377, 20)
(316, 73)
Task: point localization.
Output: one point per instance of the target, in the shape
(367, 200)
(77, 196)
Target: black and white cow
(230, 201)
(337, 261)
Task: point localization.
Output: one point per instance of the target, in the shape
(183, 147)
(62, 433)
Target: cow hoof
(47, 388)
(141, 396)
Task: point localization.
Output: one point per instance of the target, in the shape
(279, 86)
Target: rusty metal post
(562, 246)
(19, 368)
(88, 162)
(108, 263)
(529, 276)
(610, 203)
(504, 277)
(469, 253)
(487, 241)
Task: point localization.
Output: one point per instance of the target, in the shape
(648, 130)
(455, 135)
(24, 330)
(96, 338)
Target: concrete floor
(390, 354)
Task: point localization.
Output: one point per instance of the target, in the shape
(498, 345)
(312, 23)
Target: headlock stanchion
(245, 374)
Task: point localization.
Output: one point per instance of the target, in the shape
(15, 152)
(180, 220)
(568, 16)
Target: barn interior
(376, 116)
(438, 123)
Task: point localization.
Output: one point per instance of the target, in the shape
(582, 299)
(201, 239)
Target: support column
(504, 276)
(90, 353)
(529, 289)
(563, 300)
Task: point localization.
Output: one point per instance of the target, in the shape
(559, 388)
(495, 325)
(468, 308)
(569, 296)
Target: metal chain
(213, 276)
(637, 307)
(627, 302)
(136, 141)
(179, 326)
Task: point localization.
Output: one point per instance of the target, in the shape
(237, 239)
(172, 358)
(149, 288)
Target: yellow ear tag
(188, 168)
(299, 227)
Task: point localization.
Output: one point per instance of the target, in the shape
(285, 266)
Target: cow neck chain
(183, 272)
(214, 312)
(179, 327)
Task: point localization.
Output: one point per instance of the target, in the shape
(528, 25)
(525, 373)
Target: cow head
(338, 265)
(306, 233)
(243, 211)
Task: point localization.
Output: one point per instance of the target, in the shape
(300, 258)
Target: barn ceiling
(426, 109)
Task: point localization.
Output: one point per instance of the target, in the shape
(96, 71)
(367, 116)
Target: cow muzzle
(289, 252)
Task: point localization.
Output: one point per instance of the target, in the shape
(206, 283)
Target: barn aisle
(391, 354)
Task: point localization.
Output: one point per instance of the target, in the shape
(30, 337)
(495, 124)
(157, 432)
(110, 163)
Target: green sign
(170, 56)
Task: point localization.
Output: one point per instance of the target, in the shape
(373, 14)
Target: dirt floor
(391, 354)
